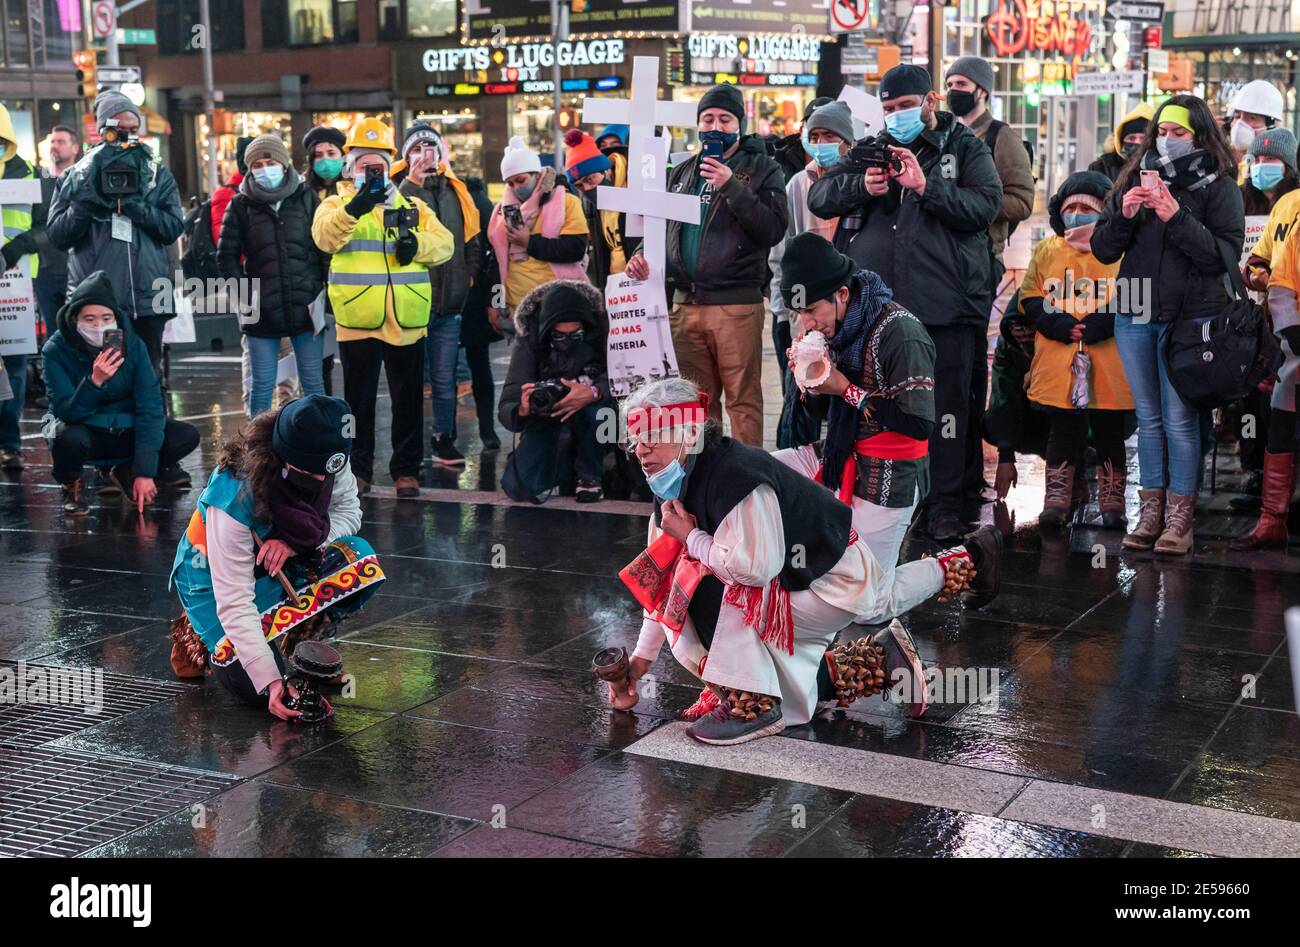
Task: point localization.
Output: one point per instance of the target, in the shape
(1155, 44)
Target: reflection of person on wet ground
(750, 572)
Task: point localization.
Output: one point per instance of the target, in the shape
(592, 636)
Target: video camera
(402, 219)
(118, 181)
(872, 153)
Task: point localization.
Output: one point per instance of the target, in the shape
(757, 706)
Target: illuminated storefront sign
(524, 55)
(1019, 26)
(755, 78)
(536, 85)
(789, 48)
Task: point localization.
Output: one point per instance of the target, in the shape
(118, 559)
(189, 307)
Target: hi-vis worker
(379, 288)
(19, 240)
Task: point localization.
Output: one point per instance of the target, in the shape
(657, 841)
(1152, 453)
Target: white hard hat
(1259, 97)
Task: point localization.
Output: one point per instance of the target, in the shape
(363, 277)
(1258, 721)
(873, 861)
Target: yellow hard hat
(370, 133)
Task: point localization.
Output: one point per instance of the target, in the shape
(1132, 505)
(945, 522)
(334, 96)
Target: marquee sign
(523, 55)
(1016, 26)
(788, 48)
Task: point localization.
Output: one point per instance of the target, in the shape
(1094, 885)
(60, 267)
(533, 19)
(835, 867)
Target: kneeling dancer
(751, 570)
(269, 557)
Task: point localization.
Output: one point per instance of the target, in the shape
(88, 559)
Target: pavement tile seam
(487, 827)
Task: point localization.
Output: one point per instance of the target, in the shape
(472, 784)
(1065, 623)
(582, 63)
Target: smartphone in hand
(1150, 180)
(711, 149)
(114, 339)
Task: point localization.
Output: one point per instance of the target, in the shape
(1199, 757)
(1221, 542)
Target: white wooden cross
(17, 298)
(645, 200)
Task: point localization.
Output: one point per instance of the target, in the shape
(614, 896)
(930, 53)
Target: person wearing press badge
(269, 558)
(266, 236)
(1174, 222)
(117, 210)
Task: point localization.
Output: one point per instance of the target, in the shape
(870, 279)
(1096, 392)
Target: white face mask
(1241, 135)
(94, 335)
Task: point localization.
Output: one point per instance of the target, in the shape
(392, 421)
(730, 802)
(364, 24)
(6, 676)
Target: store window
(178, 19)
(421, 19)
(345, 120)
(308, 22)
(230, 127)
(18, 50)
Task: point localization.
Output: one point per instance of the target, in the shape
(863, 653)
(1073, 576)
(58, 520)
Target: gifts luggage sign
(640, 347)
(17, 298)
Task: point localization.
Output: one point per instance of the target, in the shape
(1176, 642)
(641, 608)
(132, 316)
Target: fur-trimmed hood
(528, 312)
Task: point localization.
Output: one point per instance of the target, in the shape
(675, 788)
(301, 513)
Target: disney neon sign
(1012, 29)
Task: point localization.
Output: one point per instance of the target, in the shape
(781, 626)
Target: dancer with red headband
(750, 572)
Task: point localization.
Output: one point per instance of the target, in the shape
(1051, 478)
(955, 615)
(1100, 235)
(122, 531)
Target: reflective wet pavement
(478, 729)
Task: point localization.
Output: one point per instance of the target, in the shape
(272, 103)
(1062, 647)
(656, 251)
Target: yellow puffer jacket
(1056, 269)
(357, 309)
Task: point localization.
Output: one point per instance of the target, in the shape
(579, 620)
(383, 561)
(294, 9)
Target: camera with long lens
(546, 395)
(118, 181)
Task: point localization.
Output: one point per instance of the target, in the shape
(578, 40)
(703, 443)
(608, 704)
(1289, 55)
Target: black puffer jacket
(742, 222)
(275, 246)
(933, 251)
(532, 360)
(1182, 260)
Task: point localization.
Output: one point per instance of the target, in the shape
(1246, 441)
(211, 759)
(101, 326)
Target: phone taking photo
(1150, 180)
(113, 339)
(711, 149)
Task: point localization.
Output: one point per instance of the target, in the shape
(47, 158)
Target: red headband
(658, 419)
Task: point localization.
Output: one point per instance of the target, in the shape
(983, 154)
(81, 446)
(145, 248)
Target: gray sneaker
(720, 728)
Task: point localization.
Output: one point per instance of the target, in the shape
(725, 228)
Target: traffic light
(579, 6)
(87, 84)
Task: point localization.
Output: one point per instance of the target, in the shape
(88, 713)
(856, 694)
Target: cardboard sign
(18, 310)
(1255, 227)
(640, 344)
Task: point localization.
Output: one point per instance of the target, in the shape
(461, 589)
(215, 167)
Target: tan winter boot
(1176, 540)
(1151, 514)
(1058, 495)
(1110, 496)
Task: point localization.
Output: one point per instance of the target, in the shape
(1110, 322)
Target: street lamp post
(209, 97)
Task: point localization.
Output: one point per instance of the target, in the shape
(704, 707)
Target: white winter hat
(519, 159)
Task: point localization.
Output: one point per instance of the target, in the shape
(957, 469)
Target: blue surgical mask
(726, 138)
(825, 154)
(1079, 220)
(667, 483)
(1174, 148)
(1265, 177)
(905, 124)
(269, 177)
(526, 191)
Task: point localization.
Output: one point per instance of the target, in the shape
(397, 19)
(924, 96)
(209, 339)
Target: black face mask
(304, 484)
(961, 103)
(1131, 148)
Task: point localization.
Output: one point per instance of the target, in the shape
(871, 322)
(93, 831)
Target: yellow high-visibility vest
(17, 218)
(365, 269)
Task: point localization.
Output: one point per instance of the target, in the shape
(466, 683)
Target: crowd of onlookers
(376, 253)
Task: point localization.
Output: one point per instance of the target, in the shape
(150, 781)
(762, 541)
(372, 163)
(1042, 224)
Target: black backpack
(1216, 360)
(199, 261)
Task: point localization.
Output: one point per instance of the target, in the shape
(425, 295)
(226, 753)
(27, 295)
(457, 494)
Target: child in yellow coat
(1076, 376)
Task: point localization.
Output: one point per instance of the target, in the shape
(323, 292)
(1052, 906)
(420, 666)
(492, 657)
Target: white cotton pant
(881, 529)
(740, 658)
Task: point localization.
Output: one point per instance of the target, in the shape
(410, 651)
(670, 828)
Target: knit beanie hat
(1088, 187)
(975, 69)
(618, 131)
(266, 146)
(519, 159)
(905, 79)
(812, 263)
(724, 96)
(1134, 126)
(581, 156)
(1277, 143)
(423, 132)
(835, 118)
(308, 434)
(109, 103)
(323, 134)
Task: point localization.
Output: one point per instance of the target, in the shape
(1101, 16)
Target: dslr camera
(402, 219)
(544, 397)
(871, 153)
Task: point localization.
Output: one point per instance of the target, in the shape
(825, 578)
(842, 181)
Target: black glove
(365, 201)
(12, 252)
(1290, 333)
(407, 247)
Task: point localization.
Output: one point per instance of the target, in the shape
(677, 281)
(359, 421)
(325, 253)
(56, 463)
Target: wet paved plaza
(1133, 706)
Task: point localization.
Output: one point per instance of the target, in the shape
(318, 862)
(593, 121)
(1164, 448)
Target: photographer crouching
(117, 210)
(106, 405)
(554, 391)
